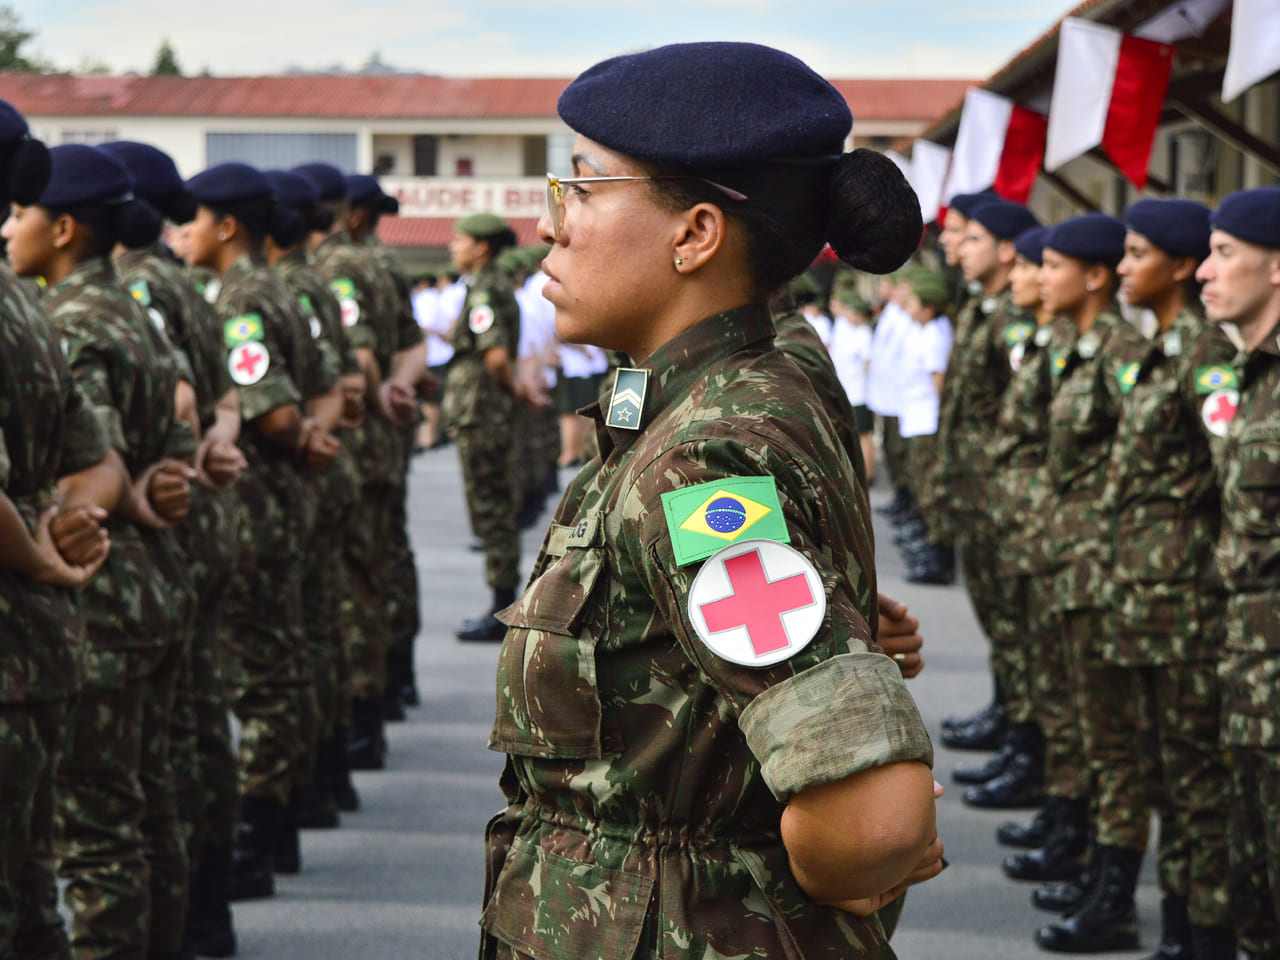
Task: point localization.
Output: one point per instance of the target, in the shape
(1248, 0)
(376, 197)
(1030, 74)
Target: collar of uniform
(677, 364)
(241, 268)
(1271, 342)
(94, 270)
(295, 257)
(337, 238)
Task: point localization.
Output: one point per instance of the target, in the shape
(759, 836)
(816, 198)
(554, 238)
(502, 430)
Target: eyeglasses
(556, 185)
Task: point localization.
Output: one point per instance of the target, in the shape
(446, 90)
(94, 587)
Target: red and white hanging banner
(929, 163)
(999, 145)
(1255, 46)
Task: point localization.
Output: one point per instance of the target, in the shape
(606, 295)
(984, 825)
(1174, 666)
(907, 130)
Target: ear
(1273, 268)
(701, 231)
(1184, 268)
(1006, 253)
(226, 228)
(63, 231)
(1097, 277)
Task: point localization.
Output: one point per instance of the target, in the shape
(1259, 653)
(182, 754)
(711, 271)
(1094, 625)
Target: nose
(1204, 272)
(546, 232)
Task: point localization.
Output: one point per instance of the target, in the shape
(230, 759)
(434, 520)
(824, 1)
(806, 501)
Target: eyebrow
(586, 160)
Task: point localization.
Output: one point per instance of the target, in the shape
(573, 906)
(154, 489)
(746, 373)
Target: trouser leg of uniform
(1049, 663)
(894, 452)
(40, 933)
(322, 588)
(101, 805)
(364, 617)
(184, 748)
(1254, 836)
(405, 617)
(1110, 729)
(488, 470)
(1009, 646)
(1183, 701)
(989, 596)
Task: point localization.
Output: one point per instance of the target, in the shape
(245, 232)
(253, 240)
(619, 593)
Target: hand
(56, 569)
(898, 636)
(77, 533)
(352, 406)
(399, 403)
(219, 463)
(320, 448)
(428, 383)
(136, 505)
(169, 490)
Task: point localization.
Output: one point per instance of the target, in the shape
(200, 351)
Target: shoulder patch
(1017, 332)
(248, 363)
(342, 287)
(1043, 336)
(1059, 362)
(1218, 410)
(141, 292)
(703, 518)
(480, 319)
(304, 301)
(247, 326)
(1209, 379)
(757, 603)
(1128, 376)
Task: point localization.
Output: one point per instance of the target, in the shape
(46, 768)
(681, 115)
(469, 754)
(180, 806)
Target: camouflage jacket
(408, 333)
(1022, 495)
(174, 303)
(127, 371)
(1248, 553)
(646, 775)
(490, 318)
(977, 376)
(1163, 597)
(47, 430)
(1082, 425)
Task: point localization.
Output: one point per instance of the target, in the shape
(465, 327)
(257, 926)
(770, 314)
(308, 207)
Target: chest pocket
(1257, 498)
(548, 701)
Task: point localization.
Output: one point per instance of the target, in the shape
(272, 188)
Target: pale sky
(841, 38)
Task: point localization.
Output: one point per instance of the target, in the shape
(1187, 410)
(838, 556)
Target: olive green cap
(930, 288)
(848, 295)
(482, 226)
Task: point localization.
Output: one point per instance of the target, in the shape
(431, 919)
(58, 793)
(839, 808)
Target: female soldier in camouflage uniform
(707, 754)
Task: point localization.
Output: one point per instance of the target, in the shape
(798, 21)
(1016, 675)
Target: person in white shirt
(884, 383)
(582, 368)
(850, 349)
(436, 308)
(806, 294)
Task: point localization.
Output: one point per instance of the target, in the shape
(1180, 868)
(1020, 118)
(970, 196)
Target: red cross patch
(1219, 410)
(757, 602)
(248, 362)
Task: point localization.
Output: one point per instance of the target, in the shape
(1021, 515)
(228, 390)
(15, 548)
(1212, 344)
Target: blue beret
(82, 175)
(327, 178)
(965, 203)
(1030, 244)
(365, 191)
(12, 124)
(230, 183)
(1252, 216)
(1093, 238)
(1178, 227)
(1003, 219)
(700, 105)
(293, 190)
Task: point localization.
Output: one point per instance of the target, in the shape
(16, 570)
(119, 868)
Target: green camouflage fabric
(263, 653)
(646, 776)
(1255, 850)
(1082, 425)
(47, 429)
(1248, 553)
(1162, 495)
(483, 415)
(115, 783)
(1054, 705)
(400, 291)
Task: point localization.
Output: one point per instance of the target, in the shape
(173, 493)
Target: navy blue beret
(82, 175)
(365, 191)
(1030, 244)
(700, 105)
(965, 203)
(327, 178)
(293, 190)
(1178, 227)
(1252, 216)
(153, 171)
(1003, 219)
(1093, 238)
(230, 183)
(12, 124)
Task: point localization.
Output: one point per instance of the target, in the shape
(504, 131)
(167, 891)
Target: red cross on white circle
(1219, 410)
(248, 363)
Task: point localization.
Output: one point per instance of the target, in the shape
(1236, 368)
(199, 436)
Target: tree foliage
(166, 64)
(13, 37)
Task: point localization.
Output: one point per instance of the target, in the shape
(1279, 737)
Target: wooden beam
(1068, 190)
(1226, 129)
(1153, 183)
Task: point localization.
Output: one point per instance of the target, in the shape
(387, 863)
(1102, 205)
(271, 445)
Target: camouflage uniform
(119, 846)
(46, 430)
(204, 760)
(1248, 559)
(1022, 501)
(978, 374)
(1082, 425)
(482, 414)
(646, 776)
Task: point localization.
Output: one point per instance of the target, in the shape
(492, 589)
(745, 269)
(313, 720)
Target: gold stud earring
(679, 261)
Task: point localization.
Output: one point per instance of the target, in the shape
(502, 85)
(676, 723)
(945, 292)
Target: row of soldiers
(203, 511)
(1106, 465)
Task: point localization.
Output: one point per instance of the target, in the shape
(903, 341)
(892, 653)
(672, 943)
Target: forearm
(184, 408)
(860, 836)
(407, 365)
(282, 427)
(498, 362)
(326, 409)
(18, 550)
(103, 485)
(372, 374)
(226, 422)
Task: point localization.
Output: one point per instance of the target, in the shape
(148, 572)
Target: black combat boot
(988, 769)
(286, 849)
(985, 733)
(996, 704)
(934, 565)
(251, 877)
(1213, 943)
(487, 627)
(317, 809)
(1108, 919)
(209, 931)
(901, 500)
(1062, 855)
(1034, 834)
(1175, 931)
(1068, 896)
(1021, 784)
(366, 745)
(344, 791)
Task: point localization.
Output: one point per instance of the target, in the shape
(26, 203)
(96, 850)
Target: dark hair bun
(320, 219)
(287, 227)
(180, 206)
(29, 169)
(875, 222)
(137, 224)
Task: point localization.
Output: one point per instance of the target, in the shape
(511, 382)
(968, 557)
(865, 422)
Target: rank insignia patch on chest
(703, 518)
(1128, 376)
(1209, 379)
(626, 403)
(243, 328)
(1219, 410)
(757, 603)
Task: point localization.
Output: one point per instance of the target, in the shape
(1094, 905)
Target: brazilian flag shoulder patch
(342, 288)
(304, 302)
(247, 326)
(1209, 379)
(705, 518)
(1128, 376)
(141, 292)
(1018, 332)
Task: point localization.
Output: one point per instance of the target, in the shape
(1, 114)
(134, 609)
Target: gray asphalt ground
(403, 877)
